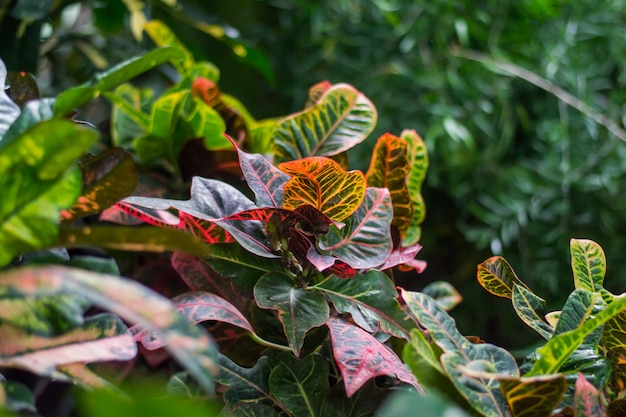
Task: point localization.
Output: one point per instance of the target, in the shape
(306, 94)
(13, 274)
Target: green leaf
(9, 111)
(107, 178)
(103, 337)
(443, 293)
(588, 265)
(365, 241)
(558, 349)
(496, 276)
(533, 397)
(389, 169)
(371, 300)
(77, 96)
(161, 35)
(251, 410)
(36, 182)
(342, 118)
(614, 341)
(34, 112)
(363, 403)
(526, 305)
(189, 344)
(402, 404)
(243, 384)
(300, 385)
(299, 310)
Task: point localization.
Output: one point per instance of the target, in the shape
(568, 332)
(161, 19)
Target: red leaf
(360, 357)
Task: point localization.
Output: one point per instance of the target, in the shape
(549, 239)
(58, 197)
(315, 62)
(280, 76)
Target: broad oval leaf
(389, 168)
(371, 299)
(614, 341)
(323, 184)
(300, 385)
(417, 157)
(102, 337)
(496, 276)
(534, 397)
(189, 344)
(299, 310)
(342, 118)
(365, 241)
(588, 264)
(360, 357)
(23, 87)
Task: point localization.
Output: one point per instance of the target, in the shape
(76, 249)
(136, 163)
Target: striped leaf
(417, 160)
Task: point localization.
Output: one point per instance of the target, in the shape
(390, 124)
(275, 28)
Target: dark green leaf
(243, 384)
(299, 310)
(23, 87)
(363, 403)
(300, 385)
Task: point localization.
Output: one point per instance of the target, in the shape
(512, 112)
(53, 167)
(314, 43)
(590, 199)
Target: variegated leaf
(496, 276)
(417, 160)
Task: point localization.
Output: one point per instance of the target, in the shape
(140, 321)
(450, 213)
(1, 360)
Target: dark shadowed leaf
(417, 157)
(244, 384)
(371, 300)
(264, 179)
(360, 357)
(365, 241)
(496, 276)
(341, 118)
(299, 309)
(34, 112)
(533, 397)
(189, 344)
(389, 168)
(616, 408)
(300, 385)
(251, 410)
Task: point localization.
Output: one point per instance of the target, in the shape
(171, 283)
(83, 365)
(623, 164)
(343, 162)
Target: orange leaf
(324, 184)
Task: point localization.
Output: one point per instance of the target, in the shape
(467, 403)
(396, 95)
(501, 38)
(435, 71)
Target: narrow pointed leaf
(587, 399)
(588, 264)
(444, 294)
(527, 305)
(107, 178)
(198, 275)
(496, 276)
(103, 337)
(360, 357)
(251, 410)
(365, 241)
(371, 299)
(323, 184)
(342, 118)
(189, 344)
(125, 71)
(417, 160)
(533, 397)
(300, 385)
(299, 310)
(389, 168)
(9, 111)
(265, 180)
(558, 349)
(244, 384)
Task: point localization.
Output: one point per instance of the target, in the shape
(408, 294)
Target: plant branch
(269, 344)
(544, 84)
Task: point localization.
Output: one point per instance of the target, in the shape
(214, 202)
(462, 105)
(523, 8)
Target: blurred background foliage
(520, 104)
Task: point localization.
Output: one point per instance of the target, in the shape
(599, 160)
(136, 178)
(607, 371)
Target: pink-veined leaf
(197, 307)
(341, 118)
(323, 184)
(401, 256)
(360, 357)
(365, 241)
(587, 399)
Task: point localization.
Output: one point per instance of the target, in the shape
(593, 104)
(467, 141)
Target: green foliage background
(514, 170)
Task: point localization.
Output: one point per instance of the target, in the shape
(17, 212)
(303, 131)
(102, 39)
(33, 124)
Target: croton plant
(258, 270)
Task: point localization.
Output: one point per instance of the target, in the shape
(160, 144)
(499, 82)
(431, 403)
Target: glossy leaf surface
(614, 341)
(496, 276)
(365, 240)
(264, 179)
(300, 385)
(133, 302)
(533, 397)
(588, 264)
(323, 184)
(244, 384)
(527, 305)
(299, 310)
(587, 401)
(102, 337)
(360, 357)
(162, 36)
(417, 160)
(389, 169)
(22, 87)
(341, 118)
(371, 300)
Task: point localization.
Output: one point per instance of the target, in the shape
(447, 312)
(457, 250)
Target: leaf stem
(268, 344)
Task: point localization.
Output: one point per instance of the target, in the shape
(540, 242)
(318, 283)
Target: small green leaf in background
(389, 169)
(299, 310)
(616, 408)
(444, 294)
(533, 397)
(130, 113)
(363, 403)
(342, 118)
(9, 111)
(496, 276)
(17, 398)
(404, 404)
(300, 385)
(37, 180)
